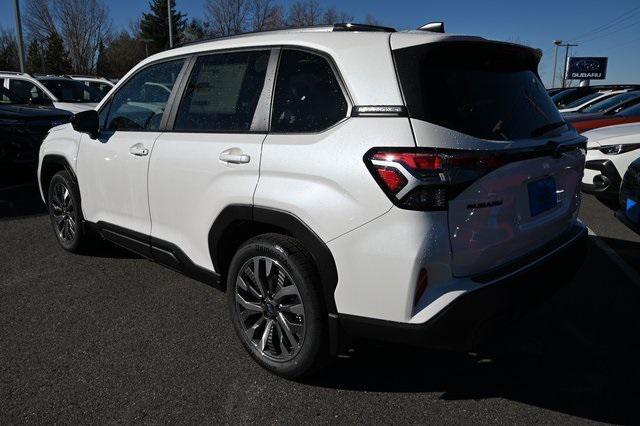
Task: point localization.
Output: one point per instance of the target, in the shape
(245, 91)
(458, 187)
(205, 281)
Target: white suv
(338, 181)
(61, 92)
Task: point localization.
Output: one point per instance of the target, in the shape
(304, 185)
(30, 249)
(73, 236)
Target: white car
(64, 93)
(610, 151)
(339, 181)
(591, 99)
(100, 84)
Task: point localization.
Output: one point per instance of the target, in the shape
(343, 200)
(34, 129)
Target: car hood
(75, 107)
(27, 112)
(620, 134)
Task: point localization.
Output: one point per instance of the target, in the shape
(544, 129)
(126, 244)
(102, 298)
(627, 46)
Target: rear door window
(223, 92)
(26, 89)
(308, 96)
(487, 90)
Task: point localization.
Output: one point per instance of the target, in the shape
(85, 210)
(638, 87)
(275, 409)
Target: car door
(209, 156)
(112, 169)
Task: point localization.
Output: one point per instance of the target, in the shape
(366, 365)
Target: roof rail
(15, 73)
(328, 28)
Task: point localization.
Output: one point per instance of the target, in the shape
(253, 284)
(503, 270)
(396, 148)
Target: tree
(122, 53)
(195, 30)
(228, 17)
(56, 60)
(102, 63)
(83, 24)
(371, 20)
(39, 19)
(35, 57)
(305, 13)
(8, 51)
(333, 16)
(154, 25)
(266, 16)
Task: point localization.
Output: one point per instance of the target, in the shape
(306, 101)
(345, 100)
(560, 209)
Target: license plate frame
(542, 195)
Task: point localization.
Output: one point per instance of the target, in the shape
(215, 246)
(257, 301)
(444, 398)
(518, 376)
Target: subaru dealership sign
(587, 68)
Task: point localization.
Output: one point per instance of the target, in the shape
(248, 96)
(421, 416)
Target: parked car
(100, 84)
(569, 95)
(23, 126)
(610, 151)
(65, 93)
(609, 104)
(334, 192)
(591, 99)
(628, 112)
(629, 212)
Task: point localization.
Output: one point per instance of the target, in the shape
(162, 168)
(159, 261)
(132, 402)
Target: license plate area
(633, 210)
(542, 195)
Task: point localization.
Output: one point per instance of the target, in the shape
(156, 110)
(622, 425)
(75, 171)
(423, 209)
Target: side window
(223, 92)
(140, 102)
(308, 97)
(26, 89)
(103, 114)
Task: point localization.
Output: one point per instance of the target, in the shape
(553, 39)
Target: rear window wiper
(547, 128)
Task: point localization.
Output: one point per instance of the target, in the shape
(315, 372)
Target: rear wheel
(63, 201)
(276, 307)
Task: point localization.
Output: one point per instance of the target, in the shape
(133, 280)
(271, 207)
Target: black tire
(63, 201)
(311, 352)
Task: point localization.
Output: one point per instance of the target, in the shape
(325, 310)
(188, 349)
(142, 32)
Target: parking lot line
(630, 272)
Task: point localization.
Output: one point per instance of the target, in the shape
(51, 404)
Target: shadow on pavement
(577, 354)
(20, 199)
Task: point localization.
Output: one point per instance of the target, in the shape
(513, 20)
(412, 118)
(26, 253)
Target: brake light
(425, 179)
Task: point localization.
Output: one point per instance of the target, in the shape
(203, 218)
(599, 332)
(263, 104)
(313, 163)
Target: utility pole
(555, 62)
(16, 4)
(566, 60)
(170, 26)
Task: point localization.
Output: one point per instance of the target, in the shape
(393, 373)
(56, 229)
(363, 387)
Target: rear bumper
(606, 181)
(513, 289)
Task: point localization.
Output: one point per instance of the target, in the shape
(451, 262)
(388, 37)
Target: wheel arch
(52, 164)
(237, 223)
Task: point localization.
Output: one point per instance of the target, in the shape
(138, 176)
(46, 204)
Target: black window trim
(106, 102)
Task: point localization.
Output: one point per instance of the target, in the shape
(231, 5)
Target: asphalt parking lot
(115, 338)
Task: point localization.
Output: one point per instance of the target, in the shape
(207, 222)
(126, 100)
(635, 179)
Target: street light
(555, 62)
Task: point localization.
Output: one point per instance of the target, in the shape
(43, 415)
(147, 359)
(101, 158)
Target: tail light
(426, 179)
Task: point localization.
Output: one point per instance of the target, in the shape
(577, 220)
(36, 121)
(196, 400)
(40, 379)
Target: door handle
(234, 156)
(138, 150)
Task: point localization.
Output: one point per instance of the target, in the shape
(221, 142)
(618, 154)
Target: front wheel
(63, 201)
(276, 306)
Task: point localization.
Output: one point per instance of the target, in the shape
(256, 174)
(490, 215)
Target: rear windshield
(486, 90)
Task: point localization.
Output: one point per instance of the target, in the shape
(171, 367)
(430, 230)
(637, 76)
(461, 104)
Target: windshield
(71, 90)
(611, 102)
(566, 96)
(486, 90)
(631, 111)
(7, 97)
(583, 100)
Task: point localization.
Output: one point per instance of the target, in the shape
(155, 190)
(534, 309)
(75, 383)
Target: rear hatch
(512, 165)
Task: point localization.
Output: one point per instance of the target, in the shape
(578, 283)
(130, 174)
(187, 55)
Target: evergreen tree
(56, 59)
(35, 58)
(102, 63)
(154, 25)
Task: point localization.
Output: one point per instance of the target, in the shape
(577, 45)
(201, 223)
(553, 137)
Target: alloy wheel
(270, 309)
(63, 212)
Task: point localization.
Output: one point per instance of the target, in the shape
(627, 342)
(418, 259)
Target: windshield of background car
(7, 97)
(486, 90)
(631, 111)
(565, 97)
(583, 100)
(607, 103)
(72, 91)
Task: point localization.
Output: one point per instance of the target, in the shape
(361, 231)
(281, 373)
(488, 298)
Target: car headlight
(619, 148)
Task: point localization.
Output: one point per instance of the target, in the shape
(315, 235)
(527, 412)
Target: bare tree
(305, 13)
(83, 24)
(228, 17)
(333, 16)
(8, 51)
(371, 20)
(39, 20)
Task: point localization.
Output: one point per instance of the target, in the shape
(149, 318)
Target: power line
(617, 30)
(624, 17)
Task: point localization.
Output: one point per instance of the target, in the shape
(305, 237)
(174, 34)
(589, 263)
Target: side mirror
(87, 122)
(41, 101)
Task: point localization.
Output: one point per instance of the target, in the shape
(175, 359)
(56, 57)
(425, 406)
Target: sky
(601, 28)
